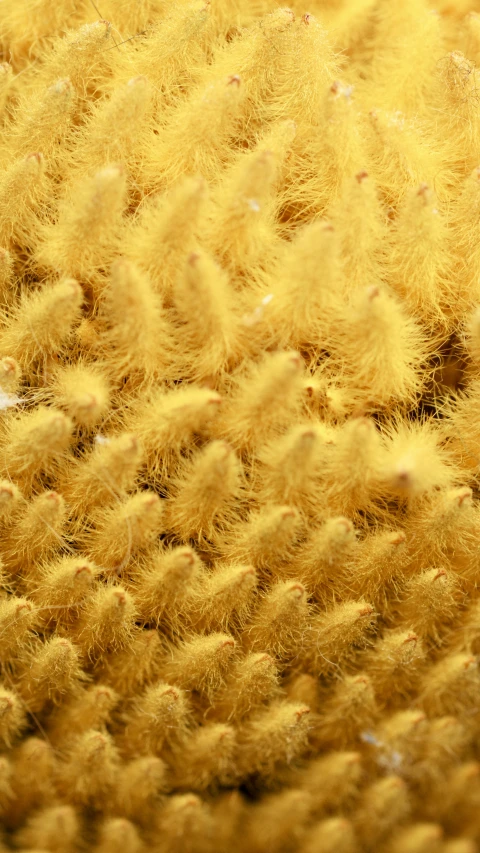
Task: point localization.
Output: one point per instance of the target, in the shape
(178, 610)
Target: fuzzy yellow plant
(239, 443)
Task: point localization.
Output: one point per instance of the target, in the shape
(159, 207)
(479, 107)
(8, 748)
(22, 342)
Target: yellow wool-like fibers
(239, 426)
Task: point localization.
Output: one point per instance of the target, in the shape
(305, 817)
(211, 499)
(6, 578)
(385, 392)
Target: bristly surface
(239, 430)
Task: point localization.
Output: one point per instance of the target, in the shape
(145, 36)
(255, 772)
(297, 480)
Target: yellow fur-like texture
(239, 426)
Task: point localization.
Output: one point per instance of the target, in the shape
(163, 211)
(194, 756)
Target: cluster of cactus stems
(239, 426)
